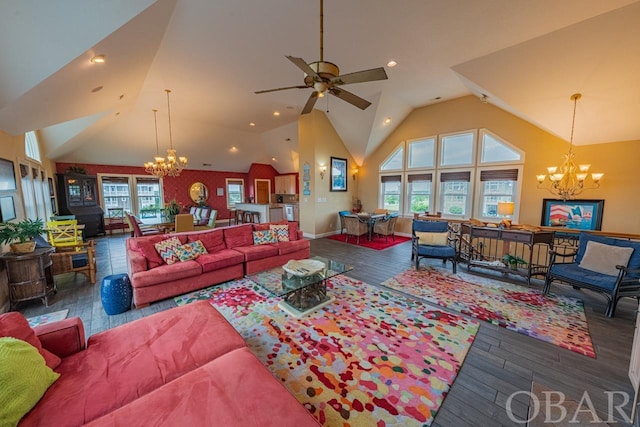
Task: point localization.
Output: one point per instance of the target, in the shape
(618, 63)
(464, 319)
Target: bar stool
(250, 216)
(239, 216)
(233, 216)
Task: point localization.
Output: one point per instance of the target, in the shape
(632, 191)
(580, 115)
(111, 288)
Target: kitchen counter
(268, 212)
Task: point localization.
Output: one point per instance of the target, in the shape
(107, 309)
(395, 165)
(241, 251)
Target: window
(141, 195)
(473, 175)
(390, 191)
(419, 192)
(31, 148)
(454, 190)
(148, 196)
(235, 191)
(116, 194)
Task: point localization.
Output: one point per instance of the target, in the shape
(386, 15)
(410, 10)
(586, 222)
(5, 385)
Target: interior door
(263, 190)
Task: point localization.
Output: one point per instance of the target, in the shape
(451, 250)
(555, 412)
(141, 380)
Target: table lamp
(504, 209)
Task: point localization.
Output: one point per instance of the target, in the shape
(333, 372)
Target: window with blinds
(419, 192)
(390, 188)
(235, 191)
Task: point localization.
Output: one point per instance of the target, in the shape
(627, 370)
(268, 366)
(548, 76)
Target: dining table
(369, 219)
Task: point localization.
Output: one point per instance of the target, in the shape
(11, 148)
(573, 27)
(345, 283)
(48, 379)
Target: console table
(29, 275)
(491, 258)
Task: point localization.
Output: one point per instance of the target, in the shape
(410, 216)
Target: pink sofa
(184, 366)
(231, 255)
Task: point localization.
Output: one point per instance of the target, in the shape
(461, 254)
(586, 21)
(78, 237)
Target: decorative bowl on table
(303, 267)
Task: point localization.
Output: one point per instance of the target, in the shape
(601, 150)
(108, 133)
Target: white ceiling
(527, 56)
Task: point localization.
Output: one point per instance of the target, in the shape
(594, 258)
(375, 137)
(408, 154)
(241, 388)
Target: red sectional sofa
(184, 366)
(231, 254)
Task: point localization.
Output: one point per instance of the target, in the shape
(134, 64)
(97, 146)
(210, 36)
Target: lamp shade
(505, 208)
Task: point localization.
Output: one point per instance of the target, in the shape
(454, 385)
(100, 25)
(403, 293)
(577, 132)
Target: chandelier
(568, 180)
(174, 163)
(158, 166)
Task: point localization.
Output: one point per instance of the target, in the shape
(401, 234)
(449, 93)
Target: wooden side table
(29, 275)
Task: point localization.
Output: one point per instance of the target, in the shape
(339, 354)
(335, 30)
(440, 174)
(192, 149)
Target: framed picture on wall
(576, 214)
(7, 175)
(338, 174)
(50, 187)
(7, 209)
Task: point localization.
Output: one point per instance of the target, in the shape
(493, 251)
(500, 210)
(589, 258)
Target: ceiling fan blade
(300, 63)
(282, 88)
(350, 98)
(310, 102)
(361, 77)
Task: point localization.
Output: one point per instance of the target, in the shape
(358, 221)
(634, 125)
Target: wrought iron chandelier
(174, 164)
(568, 180)
(158, 166)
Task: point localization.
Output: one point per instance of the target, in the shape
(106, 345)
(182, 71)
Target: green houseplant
(170, 210)
(20, 235)
(512, 261)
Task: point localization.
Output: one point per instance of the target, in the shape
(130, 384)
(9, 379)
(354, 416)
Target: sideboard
(484, 247)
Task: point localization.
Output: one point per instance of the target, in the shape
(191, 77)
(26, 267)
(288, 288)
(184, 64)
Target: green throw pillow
(24, 378)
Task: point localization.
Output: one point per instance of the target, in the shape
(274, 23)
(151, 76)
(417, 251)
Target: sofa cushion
(134, 243)
(124, 363)
(191, 250)
(213, 241)
(24, 378)
(220, 259)
(604, 258)
(264, 237)
(238, 236)
(252, 253)
(166, 250)
(166, 273)
(261, 227)
(432, 239)
(14, 324)
(292, 246)
(281, 231)
(210, 396)
(148, 250)
(572, 272)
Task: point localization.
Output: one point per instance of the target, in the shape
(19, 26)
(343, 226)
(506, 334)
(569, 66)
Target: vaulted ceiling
(528, 57)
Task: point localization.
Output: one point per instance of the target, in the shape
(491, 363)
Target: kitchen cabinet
(78, 195)
(285, 184)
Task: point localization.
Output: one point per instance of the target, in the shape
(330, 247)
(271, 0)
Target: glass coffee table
(302, 289)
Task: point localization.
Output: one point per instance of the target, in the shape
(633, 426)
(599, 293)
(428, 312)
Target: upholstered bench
(603, 264)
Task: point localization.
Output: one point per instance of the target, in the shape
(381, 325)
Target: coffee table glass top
(280, 283)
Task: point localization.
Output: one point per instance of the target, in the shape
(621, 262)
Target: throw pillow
(281, 232)
(603, 258)
(24, 377)
(15, 325)
(165, 249)
(432, 239)
(190, 251)
(148, 251)
(264, 237)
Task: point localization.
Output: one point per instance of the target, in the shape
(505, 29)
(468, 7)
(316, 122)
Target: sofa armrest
(62, 338)
(136, 262)
(300, 235)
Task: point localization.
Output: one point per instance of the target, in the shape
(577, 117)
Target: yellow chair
(380, 211)
(64, 233)
(184, 222)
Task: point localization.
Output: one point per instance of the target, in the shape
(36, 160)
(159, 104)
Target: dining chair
(342, 214)
(386, 227)
(137, 230)
(116, 219)
(211, 223)
(64, 233)
(184, 222)
(354, 228)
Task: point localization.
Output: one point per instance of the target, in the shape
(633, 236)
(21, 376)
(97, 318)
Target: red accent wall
(178, 187)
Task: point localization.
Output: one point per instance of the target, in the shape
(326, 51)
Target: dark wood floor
(499, 363)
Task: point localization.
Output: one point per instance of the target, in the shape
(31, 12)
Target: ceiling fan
(325, 77)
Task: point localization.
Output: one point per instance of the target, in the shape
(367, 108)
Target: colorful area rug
(48, 318)
(378, 243)
(552, 318)
(373, 357)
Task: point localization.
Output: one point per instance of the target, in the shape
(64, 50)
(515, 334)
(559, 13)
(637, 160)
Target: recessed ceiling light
(274, 159)
(387, 120)
(252, 124)
(99, 59)
(234, 148)
(392, 63)
(117, 113)
(276, 113)
(96, 89)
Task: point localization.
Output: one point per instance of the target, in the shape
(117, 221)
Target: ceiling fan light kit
(325, 76)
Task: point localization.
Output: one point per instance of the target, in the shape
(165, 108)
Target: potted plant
(512, 261)
(170, 210)
(20, 235)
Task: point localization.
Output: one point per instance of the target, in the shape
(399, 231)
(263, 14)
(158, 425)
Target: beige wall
(318, 141)
(12, 148)
(618, 160)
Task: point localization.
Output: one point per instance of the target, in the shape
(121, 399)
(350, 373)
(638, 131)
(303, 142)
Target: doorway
(263, 191)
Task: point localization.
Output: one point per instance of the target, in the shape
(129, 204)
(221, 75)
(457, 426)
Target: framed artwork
(7, 175)
(7, 209)
(50, 187)
(575, 214)
(338, 174)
